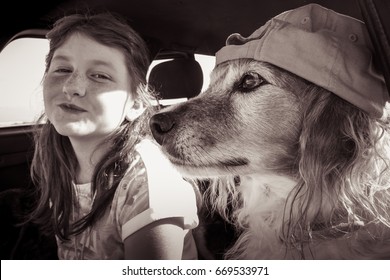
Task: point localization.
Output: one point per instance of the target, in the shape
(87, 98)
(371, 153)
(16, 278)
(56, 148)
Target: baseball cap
(329, 49)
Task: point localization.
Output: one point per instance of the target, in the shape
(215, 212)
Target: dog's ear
(332, 145)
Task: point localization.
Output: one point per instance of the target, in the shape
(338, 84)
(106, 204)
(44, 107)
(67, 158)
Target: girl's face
(87, 89)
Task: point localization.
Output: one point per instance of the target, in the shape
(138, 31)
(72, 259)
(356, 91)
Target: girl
(112, 195)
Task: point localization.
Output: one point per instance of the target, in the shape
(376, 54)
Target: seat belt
(376, 17)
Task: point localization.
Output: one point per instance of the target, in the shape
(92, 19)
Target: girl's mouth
(71, 108)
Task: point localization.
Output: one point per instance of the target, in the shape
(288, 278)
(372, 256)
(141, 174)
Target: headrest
(177, 78)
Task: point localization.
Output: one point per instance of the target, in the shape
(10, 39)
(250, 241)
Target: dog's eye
(250, 81)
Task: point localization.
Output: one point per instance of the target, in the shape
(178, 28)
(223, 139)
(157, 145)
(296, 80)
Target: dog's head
(258, 118)
(248, 120)
(297, 74)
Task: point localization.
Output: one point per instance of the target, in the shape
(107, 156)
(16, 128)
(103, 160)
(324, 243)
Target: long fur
(304, 174)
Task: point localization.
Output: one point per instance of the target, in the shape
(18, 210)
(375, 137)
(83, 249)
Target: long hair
(344, 175)
(342, 170)
(54, 164)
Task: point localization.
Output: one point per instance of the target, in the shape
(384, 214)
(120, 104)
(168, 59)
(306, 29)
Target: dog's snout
(160, 125)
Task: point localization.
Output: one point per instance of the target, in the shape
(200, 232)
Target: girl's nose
(76, 84)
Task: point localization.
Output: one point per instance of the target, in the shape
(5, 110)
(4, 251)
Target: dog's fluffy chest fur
(263, 200)
(261, 216)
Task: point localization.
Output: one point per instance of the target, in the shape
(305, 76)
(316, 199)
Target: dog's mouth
(200, 168)
(234, 162)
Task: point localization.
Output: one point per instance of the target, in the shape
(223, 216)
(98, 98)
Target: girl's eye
(101, 76)
(250, 81)
(62, 70)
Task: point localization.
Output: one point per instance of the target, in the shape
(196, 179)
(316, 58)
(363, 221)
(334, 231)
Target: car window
(22, 65)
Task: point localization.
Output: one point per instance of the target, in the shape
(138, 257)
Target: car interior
(175, 32)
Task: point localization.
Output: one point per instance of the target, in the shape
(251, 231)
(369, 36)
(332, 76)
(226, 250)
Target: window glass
(207, 62)
(22, 65)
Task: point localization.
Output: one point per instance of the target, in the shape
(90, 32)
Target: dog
(296, 170)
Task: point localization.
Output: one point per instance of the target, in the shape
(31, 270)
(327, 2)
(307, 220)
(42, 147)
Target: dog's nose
(160, 124)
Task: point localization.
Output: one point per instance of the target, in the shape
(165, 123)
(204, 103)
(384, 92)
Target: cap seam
(332, 68)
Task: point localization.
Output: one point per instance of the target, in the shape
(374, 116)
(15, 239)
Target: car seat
(177, 78)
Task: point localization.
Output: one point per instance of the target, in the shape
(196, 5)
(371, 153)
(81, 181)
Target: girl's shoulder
(150, 166)
(159, 172)
(153, 158)
(152, 182)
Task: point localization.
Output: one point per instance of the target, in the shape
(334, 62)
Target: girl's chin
(82, 132)
(74, 130)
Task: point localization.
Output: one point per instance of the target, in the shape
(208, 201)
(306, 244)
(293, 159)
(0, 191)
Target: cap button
(305, 20)
(353, 37)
